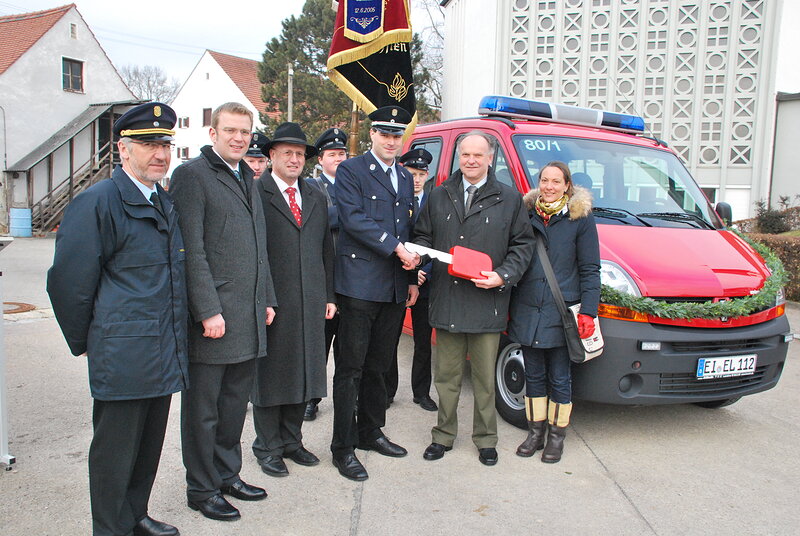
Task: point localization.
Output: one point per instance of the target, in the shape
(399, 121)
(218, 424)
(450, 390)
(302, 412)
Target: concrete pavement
(626, 470)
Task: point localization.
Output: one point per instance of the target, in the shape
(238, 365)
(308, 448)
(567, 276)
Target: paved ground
(643, 470)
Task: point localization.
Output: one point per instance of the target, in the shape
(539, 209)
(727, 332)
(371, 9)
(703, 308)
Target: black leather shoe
(382, 445)
(151, 527)
(311, 411)
(244, 491)
(435, 451)
(349, 467)
(216, 507)
(426, 403)
(303, 457)
(273, 466)
(487, 456)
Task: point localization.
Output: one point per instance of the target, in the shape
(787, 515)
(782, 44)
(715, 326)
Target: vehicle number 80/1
(542, 145)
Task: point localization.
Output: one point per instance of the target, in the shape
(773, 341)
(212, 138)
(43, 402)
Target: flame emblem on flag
(398, 90)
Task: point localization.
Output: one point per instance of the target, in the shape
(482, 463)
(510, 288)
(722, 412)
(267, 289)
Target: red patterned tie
(298, 215)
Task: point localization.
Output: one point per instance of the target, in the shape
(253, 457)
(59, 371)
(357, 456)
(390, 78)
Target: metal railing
(48, 211)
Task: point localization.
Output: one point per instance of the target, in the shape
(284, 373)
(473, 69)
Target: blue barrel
(20, 222)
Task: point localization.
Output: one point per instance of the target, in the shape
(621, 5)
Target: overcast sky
(174, 34)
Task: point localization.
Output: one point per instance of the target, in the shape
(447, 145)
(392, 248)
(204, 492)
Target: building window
(183, 153)
(206, 117)
(72, 74)
(73, 30)
(183, 122)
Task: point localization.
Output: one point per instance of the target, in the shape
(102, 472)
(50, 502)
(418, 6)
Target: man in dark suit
(231, 298)
(331, 151)
(375, 202)
(118, 292)
(294, 370)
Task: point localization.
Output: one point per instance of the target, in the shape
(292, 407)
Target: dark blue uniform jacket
(118, 290)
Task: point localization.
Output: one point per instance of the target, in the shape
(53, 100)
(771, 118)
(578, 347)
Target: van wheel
(510, 383)
(714, 404)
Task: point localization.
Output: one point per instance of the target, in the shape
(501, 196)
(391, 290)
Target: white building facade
(701, 73)
(58, 91)
(216, 79)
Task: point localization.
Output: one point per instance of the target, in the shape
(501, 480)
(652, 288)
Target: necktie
(416, 204)
(157, 203)
(391, 177)
(470, 194)
(298, 215)
(237, 174)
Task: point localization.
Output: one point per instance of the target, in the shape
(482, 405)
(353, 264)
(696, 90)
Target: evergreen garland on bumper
(732, 308)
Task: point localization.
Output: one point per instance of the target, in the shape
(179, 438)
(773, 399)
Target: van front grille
(688, 384)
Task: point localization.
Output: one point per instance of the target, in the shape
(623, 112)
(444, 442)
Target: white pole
(291, 97)
(5, 457)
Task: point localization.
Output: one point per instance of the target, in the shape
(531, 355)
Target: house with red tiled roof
(59, 95)
(216, 79)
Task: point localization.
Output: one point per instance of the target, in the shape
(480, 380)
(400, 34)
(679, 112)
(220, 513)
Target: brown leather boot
(558, 416)
(536, 412)
(534, 441)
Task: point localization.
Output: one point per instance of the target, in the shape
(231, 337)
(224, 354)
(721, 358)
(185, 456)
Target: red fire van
(659, 238)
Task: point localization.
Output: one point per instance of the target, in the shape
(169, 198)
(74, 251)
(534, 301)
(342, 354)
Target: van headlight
(613, 275)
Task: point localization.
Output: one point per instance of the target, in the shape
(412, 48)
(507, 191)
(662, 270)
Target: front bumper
(626, 374)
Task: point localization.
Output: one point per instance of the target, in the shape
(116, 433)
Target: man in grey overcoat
(231, 299)
(300, 242)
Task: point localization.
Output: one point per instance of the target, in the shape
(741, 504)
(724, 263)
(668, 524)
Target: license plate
(725, 367)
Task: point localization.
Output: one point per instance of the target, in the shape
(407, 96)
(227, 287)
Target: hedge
(787, 248)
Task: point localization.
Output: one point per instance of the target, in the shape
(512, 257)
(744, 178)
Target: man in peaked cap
(331, 151)
(118, 292)
(255, 157)
(294, 371)
(374, 283)
(417, 161)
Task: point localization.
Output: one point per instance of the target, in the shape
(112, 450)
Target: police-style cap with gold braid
(149, 121)
(390, 120)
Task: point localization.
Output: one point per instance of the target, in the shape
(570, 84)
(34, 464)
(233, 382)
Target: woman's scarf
(546, 210)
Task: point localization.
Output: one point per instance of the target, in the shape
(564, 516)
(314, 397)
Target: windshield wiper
(678, 216)
(619, 214)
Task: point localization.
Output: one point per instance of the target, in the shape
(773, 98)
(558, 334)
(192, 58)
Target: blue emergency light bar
(559, 113)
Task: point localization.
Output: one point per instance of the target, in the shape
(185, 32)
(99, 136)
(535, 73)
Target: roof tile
(18, 33)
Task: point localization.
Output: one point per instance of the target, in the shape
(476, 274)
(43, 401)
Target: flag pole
(354, 131)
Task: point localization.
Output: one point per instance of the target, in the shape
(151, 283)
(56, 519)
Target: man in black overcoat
(375, 202)
(300, 243)
(231, 300)
(118, 291)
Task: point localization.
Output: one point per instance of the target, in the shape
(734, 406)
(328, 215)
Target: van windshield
(630, 185)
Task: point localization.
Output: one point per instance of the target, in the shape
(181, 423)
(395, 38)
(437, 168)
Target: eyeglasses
(230, 131)
(289, 153)
(153, 146)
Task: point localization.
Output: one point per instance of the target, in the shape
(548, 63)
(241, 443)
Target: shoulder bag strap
(566, 316)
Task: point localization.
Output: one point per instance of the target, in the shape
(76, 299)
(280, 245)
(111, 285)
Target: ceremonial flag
(370, 58)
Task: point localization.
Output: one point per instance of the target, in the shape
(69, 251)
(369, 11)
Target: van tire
(510, 383)
(715, 404)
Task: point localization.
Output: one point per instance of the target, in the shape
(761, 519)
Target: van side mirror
(725, 212)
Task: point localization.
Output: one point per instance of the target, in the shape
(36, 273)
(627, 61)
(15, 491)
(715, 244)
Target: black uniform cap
(149, 121)
(417, 158)
(257, 143)
(333, 138)
(390, 120)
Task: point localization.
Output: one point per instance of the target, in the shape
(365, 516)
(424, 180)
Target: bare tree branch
(150, 82)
